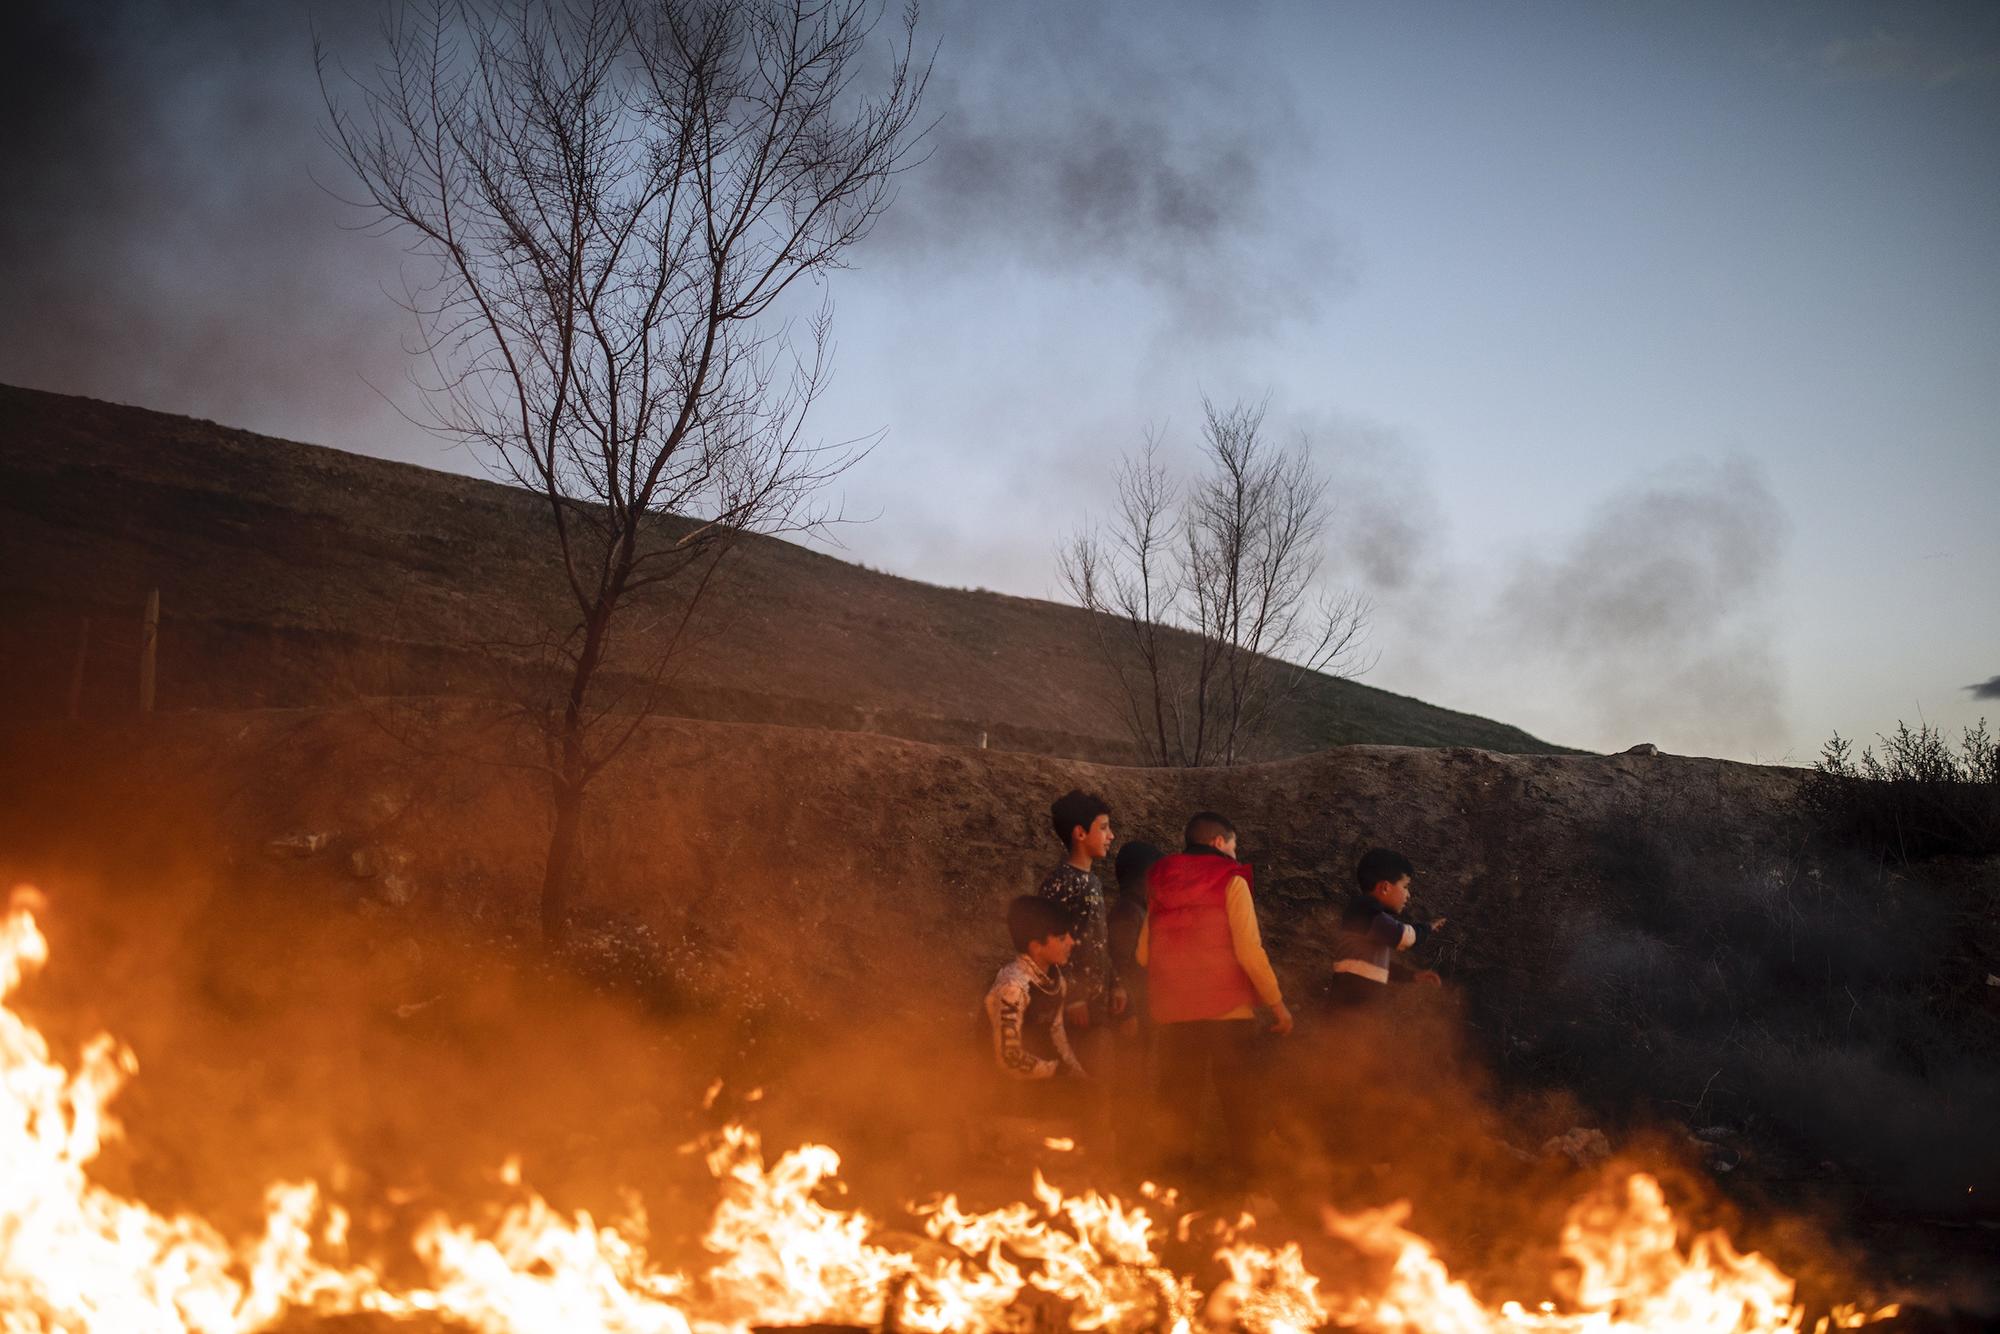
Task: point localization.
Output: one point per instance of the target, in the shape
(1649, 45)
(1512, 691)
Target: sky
(1652, 350)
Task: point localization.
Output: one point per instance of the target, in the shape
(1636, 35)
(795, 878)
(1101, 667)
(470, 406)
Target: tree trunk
(149, 650)
(572, 775)
(559, 871)
(76, 673)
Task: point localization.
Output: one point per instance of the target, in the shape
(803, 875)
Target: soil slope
(295, 575)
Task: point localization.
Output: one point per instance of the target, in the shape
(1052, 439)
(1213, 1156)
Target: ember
(75, 1257)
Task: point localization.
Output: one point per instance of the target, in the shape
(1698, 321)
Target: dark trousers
(1347, 991)
(1223, 1055)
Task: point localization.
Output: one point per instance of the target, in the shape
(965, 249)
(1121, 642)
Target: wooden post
(149, 650)
(76, 672)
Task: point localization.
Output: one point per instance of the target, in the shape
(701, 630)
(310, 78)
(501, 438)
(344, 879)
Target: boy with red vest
(1206, 974)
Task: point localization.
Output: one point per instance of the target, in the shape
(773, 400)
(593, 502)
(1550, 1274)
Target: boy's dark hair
(1075, 809)
(1031, 918)
(1379, 864)
(1204, 827)
(1134, 860)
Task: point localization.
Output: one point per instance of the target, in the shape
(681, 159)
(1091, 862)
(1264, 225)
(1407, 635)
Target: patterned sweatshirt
(1025, 1009)
(1081, 894)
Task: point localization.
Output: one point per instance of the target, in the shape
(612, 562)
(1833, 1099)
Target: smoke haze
(1094, 140)
(165, 241)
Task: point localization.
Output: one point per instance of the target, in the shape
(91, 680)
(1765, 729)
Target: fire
(79, 1259)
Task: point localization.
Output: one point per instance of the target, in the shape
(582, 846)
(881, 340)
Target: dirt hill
(296, 575)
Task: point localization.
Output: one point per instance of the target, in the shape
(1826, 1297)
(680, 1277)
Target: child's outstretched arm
(1402, 935)
(1391, 930)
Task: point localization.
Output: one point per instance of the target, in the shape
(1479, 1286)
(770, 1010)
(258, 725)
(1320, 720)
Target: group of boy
(1166, 984)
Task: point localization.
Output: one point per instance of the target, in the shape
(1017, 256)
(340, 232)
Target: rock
(397, 890)
(409, 1008)
(1581, 1145)
(363, 863)
(297, 845)
(1644, 748)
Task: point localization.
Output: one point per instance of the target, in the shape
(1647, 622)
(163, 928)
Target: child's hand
(1077, 1015)
(1281, 1019)
(1437, 922)
(1119, 1000)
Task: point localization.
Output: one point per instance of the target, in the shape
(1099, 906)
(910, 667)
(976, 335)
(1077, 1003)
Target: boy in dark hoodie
(1123, 923)
(1372, 931)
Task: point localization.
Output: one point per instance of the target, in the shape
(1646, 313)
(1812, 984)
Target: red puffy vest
(1191, 968)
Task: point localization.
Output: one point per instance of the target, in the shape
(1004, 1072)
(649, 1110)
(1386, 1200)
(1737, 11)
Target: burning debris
(78, 1258)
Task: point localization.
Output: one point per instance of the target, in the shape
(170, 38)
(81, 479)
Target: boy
(1206, 973)
(1082, 824)
(1025, 1004)
(1372, 932)
(1123, 923)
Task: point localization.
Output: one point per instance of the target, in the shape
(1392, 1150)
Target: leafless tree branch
(616, 195)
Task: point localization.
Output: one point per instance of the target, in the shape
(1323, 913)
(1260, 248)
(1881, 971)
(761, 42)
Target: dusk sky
(1654, 349)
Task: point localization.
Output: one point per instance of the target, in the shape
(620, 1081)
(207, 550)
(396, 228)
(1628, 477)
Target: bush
(1919, 798)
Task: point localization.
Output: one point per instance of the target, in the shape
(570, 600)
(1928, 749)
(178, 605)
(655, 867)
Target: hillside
(294, 575)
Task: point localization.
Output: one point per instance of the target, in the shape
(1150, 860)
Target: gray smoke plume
(1101, 140)
(1657, 613)
(1987, 689)
(1381, 538)
(162, 237)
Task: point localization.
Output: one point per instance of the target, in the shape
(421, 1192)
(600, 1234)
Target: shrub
(1919, 798)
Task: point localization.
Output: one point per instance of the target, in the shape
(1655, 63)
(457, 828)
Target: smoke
(1933, 59)
(1384, 512)
(1987, 689)
(163, 238)
(1650, 622)
(1657, 613)
(1102, 141)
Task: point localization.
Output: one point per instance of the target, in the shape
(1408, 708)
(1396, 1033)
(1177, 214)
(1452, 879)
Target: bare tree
(1209, 614)
(1134, 584)
(617, 196)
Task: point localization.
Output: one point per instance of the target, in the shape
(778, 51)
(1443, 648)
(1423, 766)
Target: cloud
(1987, 689)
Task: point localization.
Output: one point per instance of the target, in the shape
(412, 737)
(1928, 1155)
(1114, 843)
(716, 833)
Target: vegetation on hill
(1920, 798)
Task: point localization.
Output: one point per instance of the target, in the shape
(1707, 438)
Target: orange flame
(79, 1259)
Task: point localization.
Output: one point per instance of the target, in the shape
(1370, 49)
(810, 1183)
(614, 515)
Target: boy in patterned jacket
(1081, 822)
(1025, 1004)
